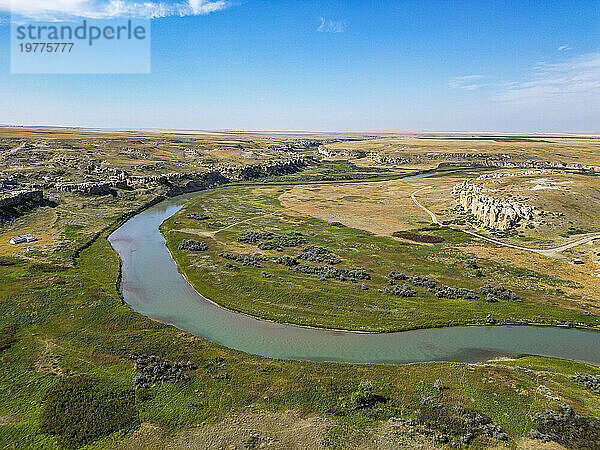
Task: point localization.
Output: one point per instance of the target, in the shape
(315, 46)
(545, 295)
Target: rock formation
(93, 188)
(532, 164)
(385, 159)
(499, 214)
(17, 198)
(16, 203)
(525, 173)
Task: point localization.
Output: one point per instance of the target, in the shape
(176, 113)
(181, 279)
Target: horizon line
(305, 131)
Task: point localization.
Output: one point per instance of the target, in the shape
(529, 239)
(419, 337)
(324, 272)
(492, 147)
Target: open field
(567, 215)
(70, 322)
(380, 208)
(268, 288)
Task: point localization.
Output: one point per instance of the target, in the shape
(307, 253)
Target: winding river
(152, 285)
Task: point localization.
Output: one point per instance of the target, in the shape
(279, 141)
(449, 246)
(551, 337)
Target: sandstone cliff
(499, 214)
(15, 203)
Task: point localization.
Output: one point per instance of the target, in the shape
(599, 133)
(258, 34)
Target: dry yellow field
(381, 208)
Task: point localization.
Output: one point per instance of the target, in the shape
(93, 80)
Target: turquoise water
(151, 285)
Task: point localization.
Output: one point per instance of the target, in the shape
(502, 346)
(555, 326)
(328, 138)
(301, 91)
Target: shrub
(566, 428)
(403, 290)
(495, 293)
(325, 272)
(318, 254)
(246, 260)
(454, 292)
(397, 276)
(291, 239)
(268, 240)
(192, 245)
(363, 397)
(154, 370)
(251, 237)
(286, 261)
(457, 425)
(591, 382)
(81, 409)
(230, 266)
(216, 224)
(471, 264)
(422, 281)
(198, 216)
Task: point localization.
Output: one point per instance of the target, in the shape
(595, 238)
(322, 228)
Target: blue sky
(329, 65)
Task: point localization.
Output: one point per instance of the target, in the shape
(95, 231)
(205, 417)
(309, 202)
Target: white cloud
(467, 82)
(564, 48)
(207, 7)
(331, 26)
(106, 9)
(575, 80)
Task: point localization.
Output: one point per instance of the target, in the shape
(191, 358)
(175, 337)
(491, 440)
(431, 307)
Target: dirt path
(546, 252)
(414, 199)
(213, 233)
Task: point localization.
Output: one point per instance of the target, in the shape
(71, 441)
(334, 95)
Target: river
(152, 286)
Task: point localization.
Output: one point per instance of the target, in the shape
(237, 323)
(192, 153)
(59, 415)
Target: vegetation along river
(152, 285)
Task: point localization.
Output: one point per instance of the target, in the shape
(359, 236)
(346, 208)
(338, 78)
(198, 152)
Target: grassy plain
(568, 214)
(305, 299)
(379, 208)
(71, 322)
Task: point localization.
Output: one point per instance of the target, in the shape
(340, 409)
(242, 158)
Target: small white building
(22, 238)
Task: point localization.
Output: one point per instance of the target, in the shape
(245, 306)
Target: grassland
(65, 334)
(71, 322)
(566, 210)
(275, 292)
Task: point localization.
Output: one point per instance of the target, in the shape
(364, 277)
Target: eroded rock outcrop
(267, 168)
(386, 159)
(16, 203)
(525, 173)
(93, 188)
(499, 214)
(17, 198)
(532, 164)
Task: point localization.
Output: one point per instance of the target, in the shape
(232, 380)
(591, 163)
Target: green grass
(71, 324)
(81, 410)
(8, 335)
(291, 297)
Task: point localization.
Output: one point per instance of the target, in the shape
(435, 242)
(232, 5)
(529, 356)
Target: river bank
(153, 286)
